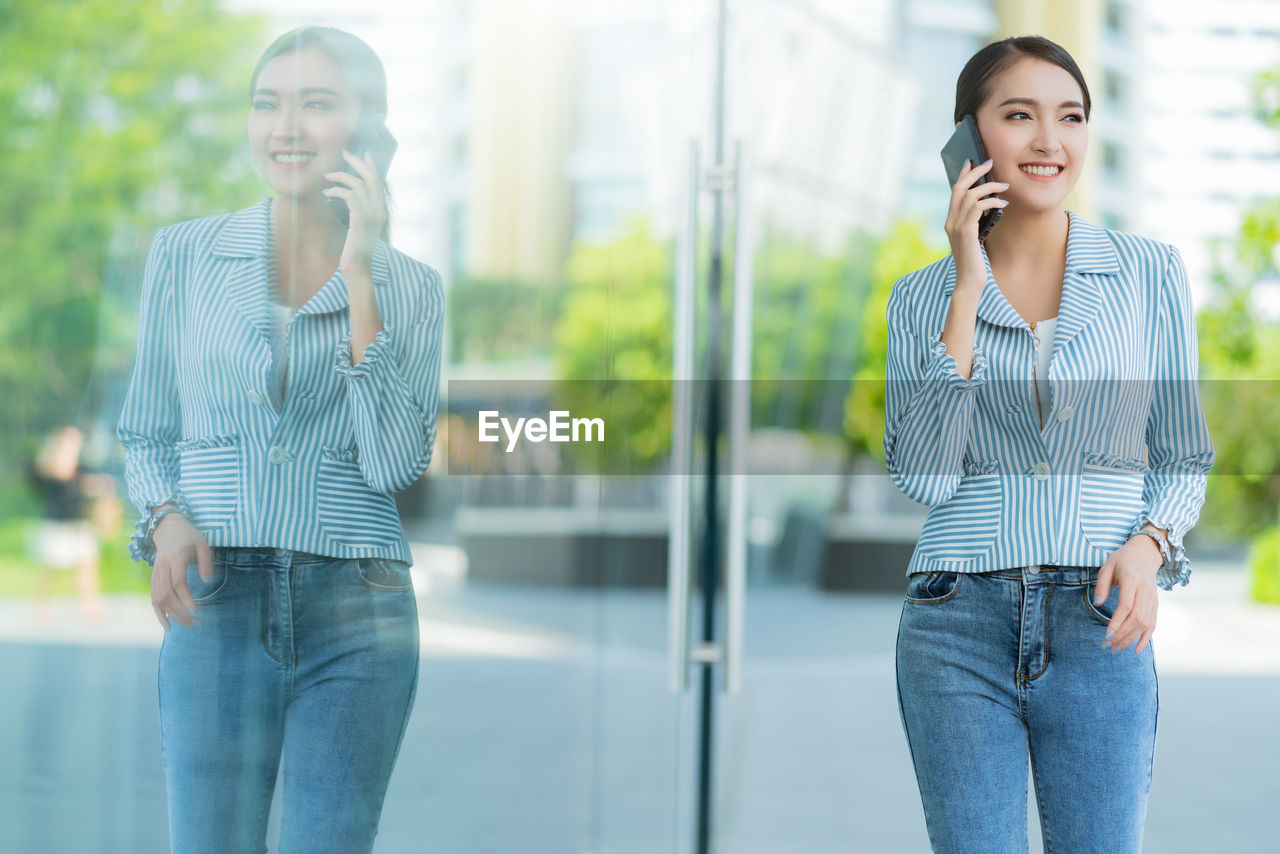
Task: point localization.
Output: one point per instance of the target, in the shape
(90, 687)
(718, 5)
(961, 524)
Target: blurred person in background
(285, 388)
(1058, 503)
(67, 537)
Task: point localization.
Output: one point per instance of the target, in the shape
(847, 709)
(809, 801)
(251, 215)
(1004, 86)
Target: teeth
(292, 158)
(1041, 170)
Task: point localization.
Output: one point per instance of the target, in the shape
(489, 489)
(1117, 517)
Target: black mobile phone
(966, 144)
(371, 137)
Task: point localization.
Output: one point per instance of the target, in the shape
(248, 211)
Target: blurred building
(1203, 156)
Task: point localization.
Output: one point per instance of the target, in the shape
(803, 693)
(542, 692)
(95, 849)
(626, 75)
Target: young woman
(1041, 400)
(285, 388)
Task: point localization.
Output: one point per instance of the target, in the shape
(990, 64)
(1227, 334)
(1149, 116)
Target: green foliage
(494, 320)
(1264, 567)
(614, 345)
(613, 356)
(1240, 366)
(118, 117)
(19, 573)
(904, 250)
(806, 320)
(1240, 358)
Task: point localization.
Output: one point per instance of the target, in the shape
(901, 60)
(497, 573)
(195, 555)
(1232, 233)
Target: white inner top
(1044, 332)
(280, 317)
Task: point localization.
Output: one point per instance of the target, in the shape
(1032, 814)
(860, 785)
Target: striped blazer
(1125, 443)
(199, 426)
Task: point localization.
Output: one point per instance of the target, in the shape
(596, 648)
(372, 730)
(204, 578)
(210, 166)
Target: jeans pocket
(202, 592)
(930, 588)
(1104, 612)
(384, 574)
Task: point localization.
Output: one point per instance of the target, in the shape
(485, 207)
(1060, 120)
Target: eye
(258, 105)
(324, 104)
(1018, 113)
(1076, 116)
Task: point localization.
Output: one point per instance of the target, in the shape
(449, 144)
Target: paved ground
(543, 724)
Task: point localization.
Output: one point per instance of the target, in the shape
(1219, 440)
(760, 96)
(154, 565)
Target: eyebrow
(1034, 103)
(304, 91)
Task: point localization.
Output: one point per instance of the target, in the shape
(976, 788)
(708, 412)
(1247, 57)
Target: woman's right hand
(967, 208)
(178, 545)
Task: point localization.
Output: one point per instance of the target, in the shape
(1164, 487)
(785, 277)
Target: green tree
(1240, 356)
(613, 355)
(616, 331)
(807, 331)
(905, 249)
(493, 320)
(118, 117)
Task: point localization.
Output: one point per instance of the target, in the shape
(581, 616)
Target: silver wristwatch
(1162, 543)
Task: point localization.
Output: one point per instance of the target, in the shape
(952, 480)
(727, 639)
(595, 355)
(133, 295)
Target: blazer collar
(244, 238)
(1090, 256)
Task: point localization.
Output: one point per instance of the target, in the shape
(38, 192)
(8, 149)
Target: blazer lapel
(992, 305)
(243, 241)
(334, 296)
(1090, 256)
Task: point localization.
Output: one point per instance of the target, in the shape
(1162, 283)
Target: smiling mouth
(292, 159)
(1041, 171)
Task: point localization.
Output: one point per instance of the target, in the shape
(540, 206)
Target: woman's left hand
(363, 195)
(1133, 568)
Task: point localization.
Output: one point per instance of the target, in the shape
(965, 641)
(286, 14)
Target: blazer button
(278, 455)
(1041, 471)
(256, 398)
(1064, 413)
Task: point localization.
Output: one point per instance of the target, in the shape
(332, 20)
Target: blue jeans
(304, 655)
(993, 667)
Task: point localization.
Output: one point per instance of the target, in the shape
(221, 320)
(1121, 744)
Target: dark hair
(360, 66)
(973, 86)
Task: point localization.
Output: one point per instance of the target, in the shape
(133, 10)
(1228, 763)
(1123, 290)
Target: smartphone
(371, 137)
(966, 144)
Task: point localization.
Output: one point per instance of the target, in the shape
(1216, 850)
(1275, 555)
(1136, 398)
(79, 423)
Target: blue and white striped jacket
(1125, 444)
(199, 427)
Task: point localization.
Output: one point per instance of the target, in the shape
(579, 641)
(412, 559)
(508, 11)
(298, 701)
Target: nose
(286, 122)
(1046, 140)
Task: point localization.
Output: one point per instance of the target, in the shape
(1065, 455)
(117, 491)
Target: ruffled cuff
(374, 352)
(1177, 570)
(142, 547)
(947, 364)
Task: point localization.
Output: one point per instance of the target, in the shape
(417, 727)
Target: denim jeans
(995, 667)
(304, 656)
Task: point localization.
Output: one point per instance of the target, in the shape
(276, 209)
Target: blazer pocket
(351, 512)
(1110, 498)
(209, 477)
(965, 526)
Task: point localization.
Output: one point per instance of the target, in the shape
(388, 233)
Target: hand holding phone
(371, 137)
(965, 145)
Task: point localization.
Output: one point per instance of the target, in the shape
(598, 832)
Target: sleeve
(394, 392)
(151, 420)
(1179, 447)
(928, 407)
